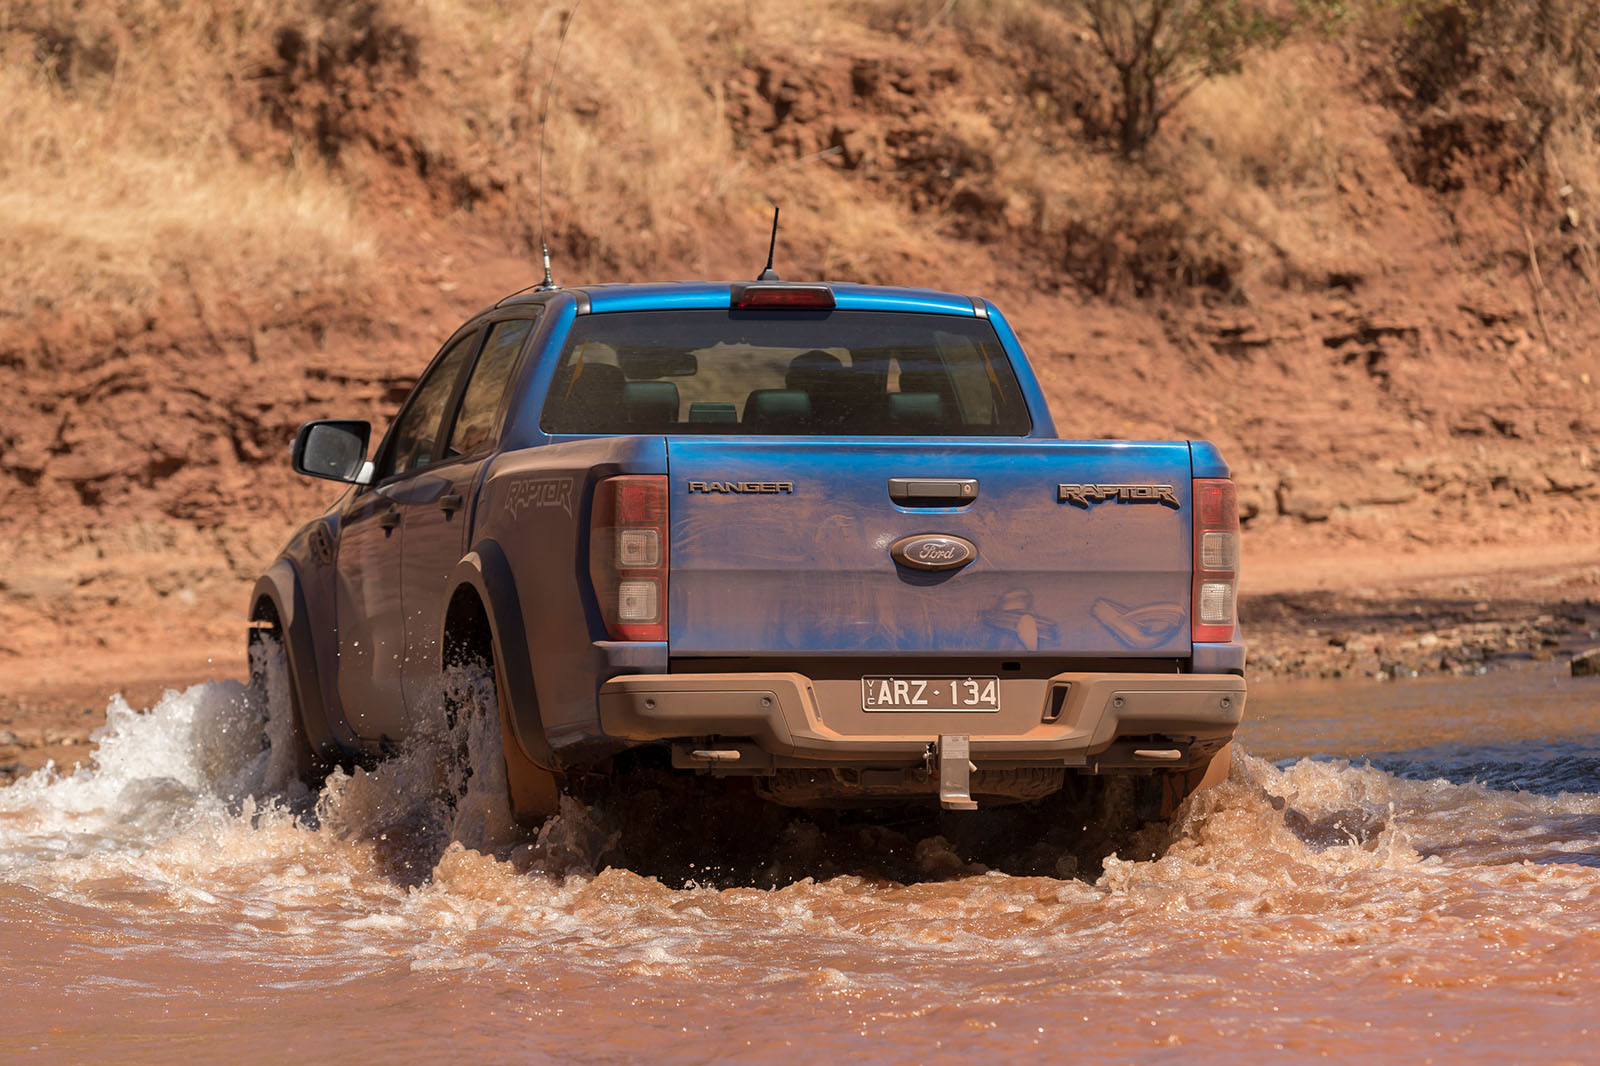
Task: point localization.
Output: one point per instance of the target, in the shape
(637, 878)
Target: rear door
(438, 509)
(787, 546)
(368, 604)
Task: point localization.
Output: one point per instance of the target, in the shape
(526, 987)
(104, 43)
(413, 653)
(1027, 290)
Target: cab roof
(711, 296)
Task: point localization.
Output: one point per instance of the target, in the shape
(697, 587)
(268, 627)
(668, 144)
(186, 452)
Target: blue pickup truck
(822, 537)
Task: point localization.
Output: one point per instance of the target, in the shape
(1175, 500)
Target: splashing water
(185, 891)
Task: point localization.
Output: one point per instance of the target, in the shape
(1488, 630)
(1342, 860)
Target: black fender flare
(486, 570)
(281, 586)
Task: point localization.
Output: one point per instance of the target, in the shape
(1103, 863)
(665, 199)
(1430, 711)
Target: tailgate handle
(933, 491)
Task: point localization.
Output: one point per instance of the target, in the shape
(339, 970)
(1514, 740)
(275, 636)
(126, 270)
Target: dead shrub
(1145, 238)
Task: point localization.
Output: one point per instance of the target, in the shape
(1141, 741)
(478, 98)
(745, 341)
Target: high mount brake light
(782, 298)
(628, 555)
(1216, 560)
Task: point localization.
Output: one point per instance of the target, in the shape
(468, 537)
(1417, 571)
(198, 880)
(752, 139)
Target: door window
(417, 429)
(480, 404)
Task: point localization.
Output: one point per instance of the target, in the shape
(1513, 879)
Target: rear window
(855, 373)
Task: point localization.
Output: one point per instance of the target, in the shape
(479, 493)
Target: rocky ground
(1441, 626)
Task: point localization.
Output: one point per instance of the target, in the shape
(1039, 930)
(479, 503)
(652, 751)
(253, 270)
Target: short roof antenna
(544, 114)
(768, 274)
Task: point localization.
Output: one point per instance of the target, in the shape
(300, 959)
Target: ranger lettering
(769, 488)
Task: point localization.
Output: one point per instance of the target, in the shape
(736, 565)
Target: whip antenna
(768, 274)
(544, 115)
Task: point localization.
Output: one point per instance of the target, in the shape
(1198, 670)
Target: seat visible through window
(650, 403)
(777, 410)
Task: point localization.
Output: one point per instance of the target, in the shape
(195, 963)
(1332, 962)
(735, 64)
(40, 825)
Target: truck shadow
(717, 833)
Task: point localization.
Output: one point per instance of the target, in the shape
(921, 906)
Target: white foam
(218, 759)
(152, 773)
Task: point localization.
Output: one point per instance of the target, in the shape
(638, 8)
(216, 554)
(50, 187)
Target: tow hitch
(955, 771)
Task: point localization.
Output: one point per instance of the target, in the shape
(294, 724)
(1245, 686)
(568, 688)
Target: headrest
(916, 408)
(597, 387)
(650, 402)
(777, 408)
(808, 369)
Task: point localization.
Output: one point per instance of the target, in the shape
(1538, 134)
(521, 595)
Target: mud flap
(533, 790)
(1177, 787)
(955, 772)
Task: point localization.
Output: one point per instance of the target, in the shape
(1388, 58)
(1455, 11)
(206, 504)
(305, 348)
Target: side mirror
(335, 449)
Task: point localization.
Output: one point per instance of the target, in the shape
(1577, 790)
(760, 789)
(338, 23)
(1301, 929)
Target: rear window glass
(855, 373)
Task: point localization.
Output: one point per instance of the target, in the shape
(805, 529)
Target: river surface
(1398, 872)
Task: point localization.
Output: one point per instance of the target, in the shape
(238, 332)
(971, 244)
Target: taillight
(782, 297)
(1216, 560)
(628, 555)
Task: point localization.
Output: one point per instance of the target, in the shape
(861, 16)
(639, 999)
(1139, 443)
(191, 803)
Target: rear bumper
(756, 723)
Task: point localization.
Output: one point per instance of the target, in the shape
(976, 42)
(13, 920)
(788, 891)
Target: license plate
(930, 693)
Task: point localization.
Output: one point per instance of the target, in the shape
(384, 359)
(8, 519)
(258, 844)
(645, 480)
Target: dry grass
(643, 131)
(641, 159)
(1568, 214)
(145, 144)
(1262, 158)
(137, 149)
(1268, 125)
(150, 143)
(117, 177)
(1239, 193)
(641, 150)
(1572, 157)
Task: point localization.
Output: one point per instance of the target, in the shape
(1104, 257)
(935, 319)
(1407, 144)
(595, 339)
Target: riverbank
(1378, 624)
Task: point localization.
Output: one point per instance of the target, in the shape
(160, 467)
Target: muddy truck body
(819, 536)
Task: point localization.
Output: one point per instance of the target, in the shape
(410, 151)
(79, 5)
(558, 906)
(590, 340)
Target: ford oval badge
(933, 551)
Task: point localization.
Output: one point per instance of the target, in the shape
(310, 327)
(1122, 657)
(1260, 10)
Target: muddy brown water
(1406, 871)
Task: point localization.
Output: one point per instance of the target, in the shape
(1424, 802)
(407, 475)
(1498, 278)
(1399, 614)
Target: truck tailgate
(785, 546)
